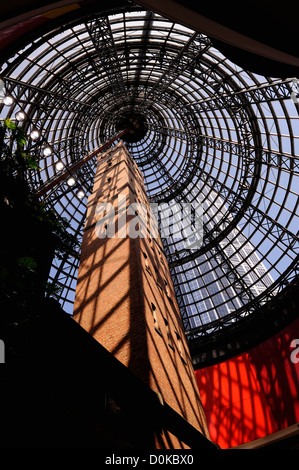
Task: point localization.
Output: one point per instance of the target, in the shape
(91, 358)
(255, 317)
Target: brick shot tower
(125, 297)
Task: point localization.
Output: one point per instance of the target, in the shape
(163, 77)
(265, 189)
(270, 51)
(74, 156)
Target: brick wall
(125, 296)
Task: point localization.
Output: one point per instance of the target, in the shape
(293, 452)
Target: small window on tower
(157, 277)
(156, 324)
(180, 347)
(167, 290)
(169, 335)
(146, 263)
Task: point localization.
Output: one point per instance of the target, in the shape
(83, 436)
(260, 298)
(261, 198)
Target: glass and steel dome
(209, 134)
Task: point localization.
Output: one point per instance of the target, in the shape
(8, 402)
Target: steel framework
(214, 134)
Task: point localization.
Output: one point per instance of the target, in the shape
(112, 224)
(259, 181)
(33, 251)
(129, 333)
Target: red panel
(233, 402)
(279, 376)
(253, 394)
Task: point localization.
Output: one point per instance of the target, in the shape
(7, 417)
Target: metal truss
(186, 59)
(101, 35)
(43, 99)
(248, 309)
(245, 209)
(254, 95)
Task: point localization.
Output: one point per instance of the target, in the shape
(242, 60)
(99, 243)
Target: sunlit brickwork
(125, 297)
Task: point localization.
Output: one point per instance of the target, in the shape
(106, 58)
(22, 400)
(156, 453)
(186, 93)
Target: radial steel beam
(57, 179)
(187, 57)
(245, 209)
(272, 158)
(264, 299)
(149, 17)
(38, 97)
(100, 32)
(251, 95)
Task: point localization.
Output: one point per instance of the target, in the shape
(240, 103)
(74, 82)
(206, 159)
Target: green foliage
(33, 232)
(52, 289)
(13, 162)
(17, 132)
(22, 160)
(29, 160)
(28, 263)
(53, 224)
